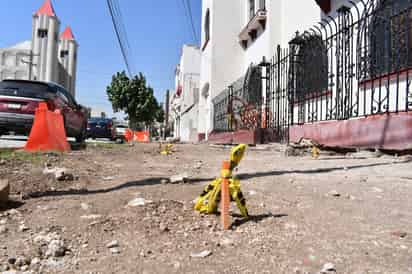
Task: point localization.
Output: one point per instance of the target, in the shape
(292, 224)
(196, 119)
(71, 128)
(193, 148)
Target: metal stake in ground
(226, 174)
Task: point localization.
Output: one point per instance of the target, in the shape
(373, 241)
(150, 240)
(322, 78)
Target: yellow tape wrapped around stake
(208, 201)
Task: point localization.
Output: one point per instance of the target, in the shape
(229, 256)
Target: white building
(238, 33)
(358, 61)
(185, 101)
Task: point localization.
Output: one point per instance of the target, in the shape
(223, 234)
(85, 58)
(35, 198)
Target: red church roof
(67, 34)
(46, 9)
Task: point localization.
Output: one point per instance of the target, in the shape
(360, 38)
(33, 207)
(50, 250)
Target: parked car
(100, 128)
(20, 98)
(119, 133)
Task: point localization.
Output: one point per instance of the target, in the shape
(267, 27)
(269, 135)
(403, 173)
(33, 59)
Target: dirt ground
(350, 211)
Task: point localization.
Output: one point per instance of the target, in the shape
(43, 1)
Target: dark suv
(100, 128)
(19, 100)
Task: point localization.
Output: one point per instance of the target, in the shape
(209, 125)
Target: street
(118, 213)
(12, 141)
(7, 141)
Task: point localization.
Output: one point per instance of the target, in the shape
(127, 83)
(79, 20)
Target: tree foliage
(136, 98)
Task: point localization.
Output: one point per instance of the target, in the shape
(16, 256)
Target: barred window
(311, 72)
(390, 37)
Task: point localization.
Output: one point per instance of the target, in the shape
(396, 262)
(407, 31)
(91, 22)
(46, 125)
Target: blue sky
(156, 30)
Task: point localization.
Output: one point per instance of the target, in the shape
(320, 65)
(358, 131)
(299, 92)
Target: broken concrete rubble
(180, 178)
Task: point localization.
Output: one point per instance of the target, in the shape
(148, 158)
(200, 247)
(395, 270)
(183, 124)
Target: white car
(119, 133)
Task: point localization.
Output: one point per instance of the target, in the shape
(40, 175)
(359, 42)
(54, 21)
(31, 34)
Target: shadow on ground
(255, 219)
(158, 180)
(10, 205)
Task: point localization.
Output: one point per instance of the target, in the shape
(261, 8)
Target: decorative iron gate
(354, 65)
(238, 106)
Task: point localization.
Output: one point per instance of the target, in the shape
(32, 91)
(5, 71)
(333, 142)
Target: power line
(189, 17)
(191, 20)
(121, 34)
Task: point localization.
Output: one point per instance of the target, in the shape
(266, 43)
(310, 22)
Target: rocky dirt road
(340, 213)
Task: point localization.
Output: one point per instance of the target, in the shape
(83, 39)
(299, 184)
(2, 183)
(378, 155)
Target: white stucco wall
(187, 77)
(391, 90)
(224, 60)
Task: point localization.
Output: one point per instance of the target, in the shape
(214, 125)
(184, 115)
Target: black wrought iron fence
(356, 64)
(277, 103)
(238, 106)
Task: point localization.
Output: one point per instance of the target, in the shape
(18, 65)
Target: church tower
(45, 37)
(68, 60)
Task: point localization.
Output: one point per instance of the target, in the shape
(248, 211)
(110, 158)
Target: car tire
(119, 140)
(82, 136)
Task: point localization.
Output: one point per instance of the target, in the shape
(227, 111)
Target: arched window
(311, 73)
(207, 26)
(390, 37)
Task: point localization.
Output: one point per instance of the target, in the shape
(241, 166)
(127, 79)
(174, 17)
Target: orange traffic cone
(142, 136)
(128, 135)
(48, 132)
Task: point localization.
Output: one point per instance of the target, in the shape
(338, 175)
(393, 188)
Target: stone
(3, 229)
(377, 190)
(21, 261)
(91, 217)
(181, 178)
(138, 202)
(4, 191)
(164, 181)
(4, 267)
(11, 260)
(61, 174)
(56, 248)
(198, 165)
(334, 193)
(399, 234)
(328, 267)
(351, 197)
(113, 244)
(85, 206)
(23, 228)
(35, 261)
(226, 242)
(176, 265)
(163, 227)
(13, 212)
(202, 254)
(252, 193)
(115, 250)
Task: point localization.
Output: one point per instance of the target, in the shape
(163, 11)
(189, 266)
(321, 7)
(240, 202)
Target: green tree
(135, 98)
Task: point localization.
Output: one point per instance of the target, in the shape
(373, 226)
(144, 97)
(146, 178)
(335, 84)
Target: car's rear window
(99, 120)
(21, 89)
